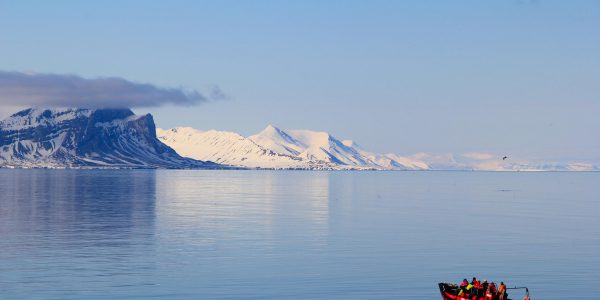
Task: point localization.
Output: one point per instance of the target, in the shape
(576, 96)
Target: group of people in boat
(482, 290)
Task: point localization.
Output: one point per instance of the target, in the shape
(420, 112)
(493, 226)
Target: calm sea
(126, 234)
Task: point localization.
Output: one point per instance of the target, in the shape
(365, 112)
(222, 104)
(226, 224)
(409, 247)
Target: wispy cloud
(58, 90)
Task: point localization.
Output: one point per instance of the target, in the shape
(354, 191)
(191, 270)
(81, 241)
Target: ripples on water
(294, 235)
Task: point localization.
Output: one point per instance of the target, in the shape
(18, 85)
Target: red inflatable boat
(450, 291)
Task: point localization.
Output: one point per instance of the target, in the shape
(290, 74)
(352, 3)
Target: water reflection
(209, 206)
(85, 201)
(86, 222)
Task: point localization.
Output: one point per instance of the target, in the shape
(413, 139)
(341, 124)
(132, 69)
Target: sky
(516, 77)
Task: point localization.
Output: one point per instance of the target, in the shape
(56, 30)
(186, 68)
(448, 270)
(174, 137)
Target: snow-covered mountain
(117, 138)
(277, 148)
(227, 148)
(107, 138)
(389, 161)
(311, 146)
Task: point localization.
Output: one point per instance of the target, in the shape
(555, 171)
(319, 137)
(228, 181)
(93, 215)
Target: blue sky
(515, 76)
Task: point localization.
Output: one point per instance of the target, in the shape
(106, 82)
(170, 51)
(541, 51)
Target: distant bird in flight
(504, 158)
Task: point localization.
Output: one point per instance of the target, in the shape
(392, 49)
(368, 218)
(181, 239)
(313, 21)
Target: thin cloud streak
(58, 90)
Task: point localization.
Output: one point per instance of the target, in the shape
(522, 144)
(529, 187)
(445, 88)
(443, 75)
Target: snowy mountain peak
(274, 132)
(271, 127)
(279, 148)
(277, 140)
(271, 130)
(276, 148)
(225, 147)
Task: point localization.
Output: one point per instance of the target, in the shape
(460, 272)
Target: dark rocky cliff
(86, 138)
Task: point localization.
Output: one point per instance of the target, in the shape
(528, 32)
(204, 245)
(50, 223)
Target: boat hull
(450, 292)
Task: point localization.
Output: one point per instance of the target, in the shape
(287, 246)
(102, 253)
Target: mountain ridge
(282, 149)
(117, 138)
(206, 145)
(76, 138)
(320, 150)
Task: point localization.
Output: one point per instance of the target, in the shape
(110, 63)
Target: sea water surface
(165, 234)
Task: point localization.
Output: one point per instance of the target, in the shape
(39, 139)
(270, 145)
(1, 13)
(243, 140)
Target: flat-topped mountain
(111, 138)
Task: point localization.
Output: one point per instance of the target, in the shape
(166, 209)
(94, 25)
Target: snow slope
(389, 161)
(276, 148)
(279, 149)
(309, 145)
(225, 148)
